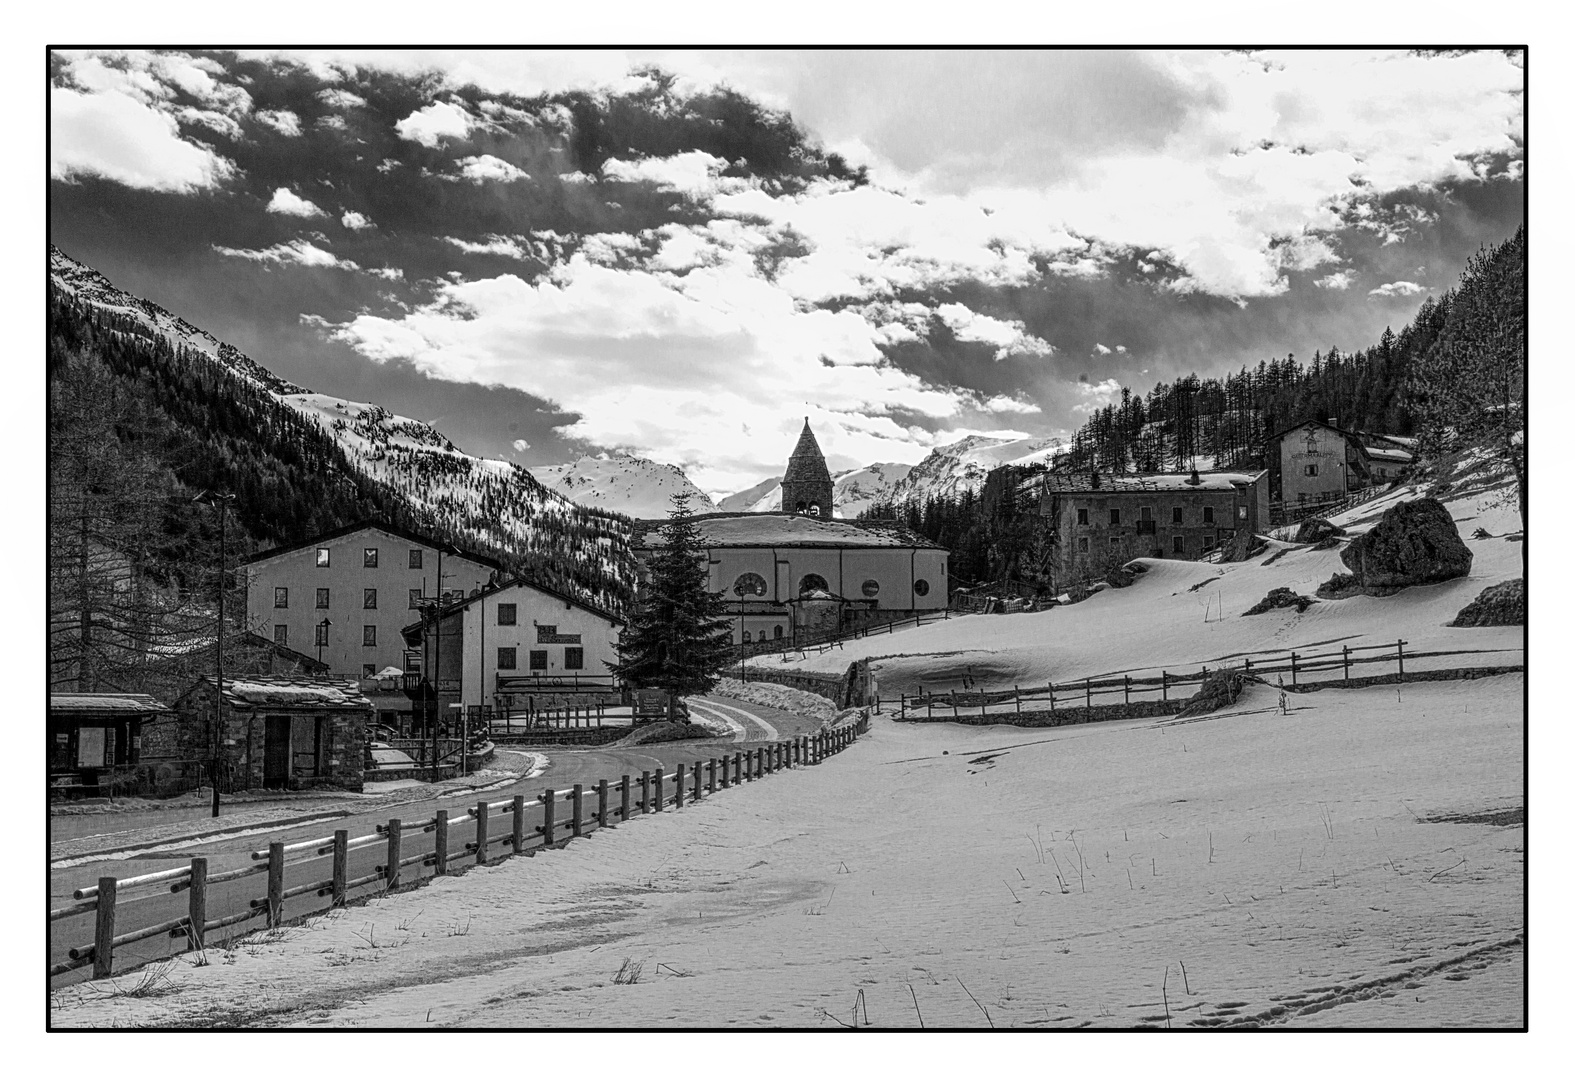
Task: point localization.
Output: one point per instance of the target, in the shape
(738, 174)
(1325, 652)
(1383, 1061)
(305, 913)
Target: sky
(684, 254)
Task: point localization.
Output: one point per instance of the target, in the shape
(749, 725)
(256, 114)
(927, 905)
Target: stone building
(96, 743)
(344, 596)
(1314, 465)
(275, 731)
(807, 486)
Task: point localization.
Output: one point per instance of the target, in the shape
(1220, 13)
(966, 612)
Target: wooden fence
(825, 642)
(1082, 693)
(611, 803)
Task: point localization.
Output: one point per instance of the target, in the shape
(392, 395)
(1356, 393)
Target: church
(799, 573)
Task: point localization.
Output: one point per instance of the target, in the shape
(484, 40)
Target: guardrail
(1081, 693)
(613, 803)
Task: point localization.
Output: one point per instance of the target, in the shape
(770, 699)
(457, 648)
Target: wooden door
(276, 752)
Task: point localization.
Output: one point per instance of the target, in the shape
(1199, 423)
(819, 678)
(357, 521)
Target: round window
(871, 588)
(749, 585)
(921, 587)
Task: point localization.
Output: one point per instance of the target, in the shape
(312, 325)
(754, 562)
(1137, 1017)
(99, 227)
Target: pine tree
(677, 638)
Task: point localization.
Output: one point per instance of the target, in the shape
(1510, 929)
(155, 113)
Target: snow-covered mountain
(963, 465)
(852, 491)
(630, 485)
(495, 504)
(744, 502)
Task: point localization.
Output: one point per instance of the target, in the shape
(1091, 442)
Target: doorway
(276, 752)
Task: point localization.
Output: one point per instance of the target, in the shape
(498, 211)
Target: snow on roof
(1216, 481)
(787, 530)
(1389, 455)
(102, 703)
(293, 691)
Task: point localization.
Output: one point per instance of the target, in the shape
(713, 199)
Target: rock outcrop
(1316, 530)
(1219, 689)
(1503, 604)
(1414, 543)
(1280, 598)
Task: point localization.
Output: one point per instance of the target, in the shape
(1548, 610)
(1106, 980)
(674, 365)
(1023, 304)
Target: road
(751, 728)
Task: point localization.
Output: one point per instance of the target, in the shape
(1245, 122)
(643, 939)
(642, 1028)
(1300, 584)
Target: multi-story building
(1313, 465)
(344, 596)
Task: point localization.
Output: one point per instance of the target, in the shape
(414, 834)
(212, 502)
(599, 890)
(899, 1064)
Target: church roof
(786, 530)
(807, 465)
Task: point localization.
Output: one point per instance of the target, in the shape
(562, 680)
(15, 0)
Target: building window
(281, 634)
(415, 599)
(281, 597)
(921, 587)
(1115, 516)
(1208, 515)
(507, 614)
(812, 583)
(776, 631)
(573, 659)
(1178, 545)
(369, 558)
(322, 598)
(1175, 515)
(415, 558)
(369, 598)
(508, 658)
(1241, 513)
(369, 636)
(322, 634)
(368, 671)
(1082, 516)
(871, 588)
(1310, 470)
(1082, 543)
(746, 637)
(749, 585)
(538, 659)
(1208, 542)
(322, 557)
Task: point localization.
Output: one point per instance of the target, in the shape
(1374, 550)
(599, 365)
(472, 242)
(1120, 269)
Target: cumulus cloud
(296, 251)
(432, 124)
(1096, 395)
(355, 220)
(1003, 404)
(285, 201)
(1007, 335)
(521, 444)
(118, 137)
(694, 172)
(1398, 288)
(484, 167)
(1102, 350)
(336, 98)
(283, 121)
(1340, 280)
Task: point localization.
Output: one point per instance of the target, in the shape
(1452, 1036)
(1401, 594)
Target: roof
(381, 526)
(806, 465)
(310, 663)
(84, 704)
(1387, 454)
(787, 530)
(291, 691)
(519, 582)
(1288, 428)
(1134, 485)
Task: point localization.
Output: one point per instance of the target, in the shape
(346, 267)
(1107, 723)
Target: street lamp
(322, 637)
(221, 499)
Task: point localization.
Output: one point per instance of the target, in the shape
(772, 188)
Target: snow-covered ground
(630, 485)
(972, 877)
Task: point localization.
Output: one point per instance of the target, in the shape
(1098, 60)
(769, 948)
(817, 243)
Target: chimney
(1193, 480)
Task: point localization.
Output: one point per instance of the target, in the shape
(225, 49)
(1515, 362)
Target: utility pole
(221, 500)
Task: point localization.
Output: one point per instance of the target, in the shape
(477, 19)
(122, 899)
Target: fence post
(440, 844)
(481, 833)
(1293, 668)
(726, 772)
(549, 800)
(1248, 669)
(645, 791)
(1164, 686)
(275, 882)
(678, 785)
(699, 780)
(661, 777)
(1088, 694)
(710, 776)
(104, 929)
(929, 704)
(1400, 658)
(623, 800)
(1017, 698)
(1345, 651)
(601, 803)
(1050, 686)
(519, 825)
(391, 871)
(197, 912)
(1127, 687)
(341, 866)
(577, 826)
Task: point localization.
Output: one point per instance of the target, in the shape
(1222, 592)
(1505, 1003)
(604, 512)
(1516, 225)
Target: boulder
(1316, 530)
(1503, 604)
(1219, 689)
(1120, 577)
(1339, 587)
(1280, 598)
(1414, 543)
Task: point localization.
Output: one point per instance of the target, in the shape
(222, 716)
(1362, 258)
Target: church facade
(800, 573)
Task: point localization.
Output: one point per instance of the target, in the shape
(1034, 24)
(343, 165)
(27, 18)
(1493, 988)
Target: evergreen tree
(677, 638)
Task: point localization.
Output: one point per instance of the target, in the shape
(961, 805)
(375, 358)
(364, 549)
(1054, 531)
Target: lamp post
(220, 499)
(322, 637)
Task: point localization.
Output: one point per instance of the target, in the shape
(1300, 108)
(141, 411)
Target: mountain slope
(635, 486)
(301, 462)
(743, 502)
(853, 490)
(963, 465)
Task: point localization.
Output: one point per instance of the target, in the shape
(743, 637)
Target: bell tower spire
(806, 486)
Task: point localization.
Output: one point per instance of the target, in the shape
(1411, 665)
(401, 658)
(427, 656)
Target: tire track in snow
(738, 730)
(771, 732)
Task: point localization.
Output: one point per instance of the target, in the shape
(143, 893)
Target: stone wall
(845, 691)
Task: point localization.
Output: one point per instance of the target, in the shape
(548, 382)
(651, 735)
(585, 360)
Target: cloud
(335, 98)
(1007, 335)
(285, 201)
(1003, 404)
(296, 251)
(521, 445)
(431, 125)
(1102, 350)
(1096, 395)
(354, 220)
(1398, 288)
(1121, 348)
(117, 137)
(1340, 280)
(283, 121)
(485, 167)
(694, 172)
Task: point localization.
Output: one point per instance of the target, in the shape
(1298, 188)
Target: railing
(612, 803)
(819, 643)
(1081, 693)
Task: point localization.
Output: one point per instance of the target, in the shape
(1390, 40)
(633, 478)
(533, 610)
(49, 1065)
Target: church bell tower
(806, 487)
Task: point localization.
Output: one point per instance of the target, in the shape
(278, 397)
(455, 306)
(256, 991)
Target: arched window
(747, 638)
(921, 587)
(750, 584)
(799, 508)
(776, 631)
(814, 509)
(811, 583)
(871, 588)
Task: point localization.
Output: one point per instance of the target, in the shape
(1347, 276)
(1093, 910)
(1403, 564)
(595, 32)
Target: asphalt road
(753, 727)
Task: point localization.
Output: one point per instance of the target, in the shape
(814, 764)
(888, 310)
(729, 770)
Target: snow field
(1280, 858)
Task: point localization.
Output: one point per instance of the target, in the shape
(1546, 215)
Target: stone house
(1314, 465)
(275, 731)
(96, 743)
